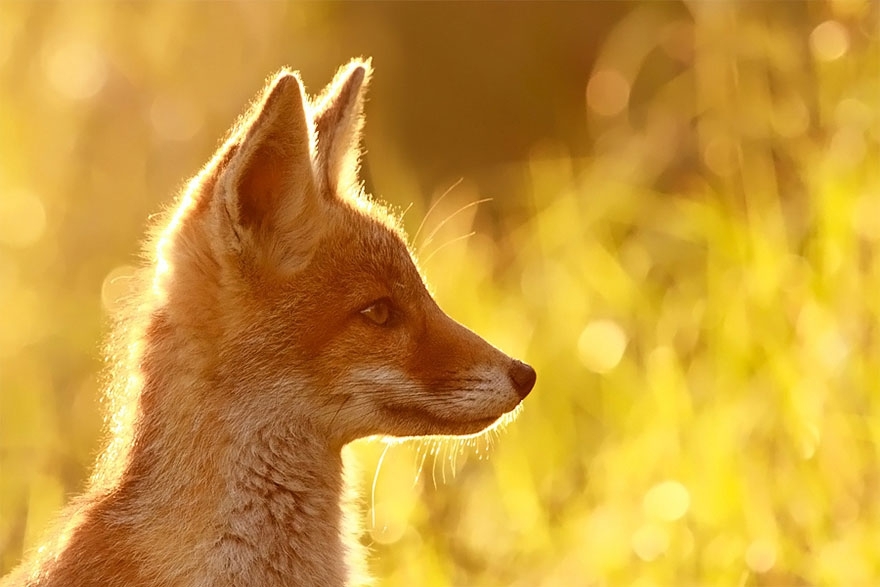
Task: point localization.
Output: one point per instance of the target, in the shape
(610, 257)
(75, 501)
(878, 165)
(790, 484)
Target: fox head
(304, 291)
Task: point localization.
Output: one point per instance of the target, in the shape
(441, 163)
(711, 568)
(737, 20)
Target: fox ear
(338, 121)
(270, 193)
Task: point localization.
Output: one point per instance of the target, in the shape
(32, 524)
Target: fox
(280, 315)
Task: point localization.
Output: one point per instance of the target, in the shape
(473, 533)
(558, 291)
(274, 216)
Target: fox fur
(281, 317)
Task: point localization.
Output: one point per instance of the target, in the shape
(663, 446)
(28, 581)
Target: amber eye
(378, 312)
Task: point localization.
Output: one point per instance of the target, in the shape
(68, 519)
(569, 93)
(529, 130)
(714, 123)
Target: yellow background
(682, 238)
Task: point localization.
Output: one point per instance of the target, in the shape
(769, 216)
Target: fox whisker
(446, 244)
(446, 220)
(433, 206)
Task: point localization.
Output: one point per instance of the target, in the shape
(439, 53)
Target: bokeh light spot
(22, 219)
(808, 440)
(608, 92)
(650, 541)
(829, 41)
(761, 556)
(393, 524)
(606, 539)
(75, 69)
(601, 345)
(667, 501)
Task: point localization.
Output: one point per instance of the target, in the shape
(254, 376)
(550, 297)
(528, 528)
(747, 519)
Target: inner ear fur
(338, 123)
(271, 196)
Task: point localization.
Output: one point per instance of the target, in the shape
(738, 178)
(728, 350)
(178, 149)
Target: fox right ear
(338, 120)
(269, 184)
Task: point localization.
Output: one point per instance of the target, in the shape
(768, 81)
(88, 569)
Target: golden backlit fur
(280, 317)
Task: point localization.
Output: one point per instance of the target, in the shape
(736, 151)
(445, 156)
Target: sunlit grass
(708, 356)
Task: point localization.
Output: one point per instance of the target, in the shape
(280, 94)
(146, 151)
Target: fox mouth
(444, 424)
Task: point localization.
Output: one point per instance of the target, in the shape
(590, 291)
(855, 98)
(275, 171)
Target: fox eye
(378, 312)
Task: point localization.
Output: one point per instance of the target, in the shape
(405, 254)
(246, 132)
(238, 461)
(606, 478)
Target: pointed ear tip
(351, 79)
(284, 79)
(284, 87)
(362, 67)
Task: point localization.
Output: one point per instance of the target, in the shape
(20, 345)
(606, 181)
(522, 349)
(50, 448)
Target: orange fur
(281, 317)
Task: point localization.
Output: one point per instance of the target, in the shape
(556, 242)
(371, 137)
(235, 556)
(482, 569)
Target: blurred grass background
(682, 239)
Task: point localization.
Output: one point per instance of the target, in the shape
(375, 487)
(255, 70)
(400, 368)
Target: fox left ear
(338, 122)
(270, 199)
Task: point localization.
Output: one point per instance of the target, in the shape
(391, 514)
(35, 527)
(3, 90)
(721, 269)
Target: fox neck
(225, 495)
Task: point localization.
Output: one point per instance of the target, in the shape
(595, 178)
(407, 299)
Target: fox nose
(523, 377)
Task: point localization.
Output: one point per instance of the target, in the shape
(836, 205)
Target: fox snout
(451, 380)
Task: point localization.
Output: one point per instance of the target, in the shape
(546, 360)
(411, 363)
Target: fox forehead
(368, 249)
